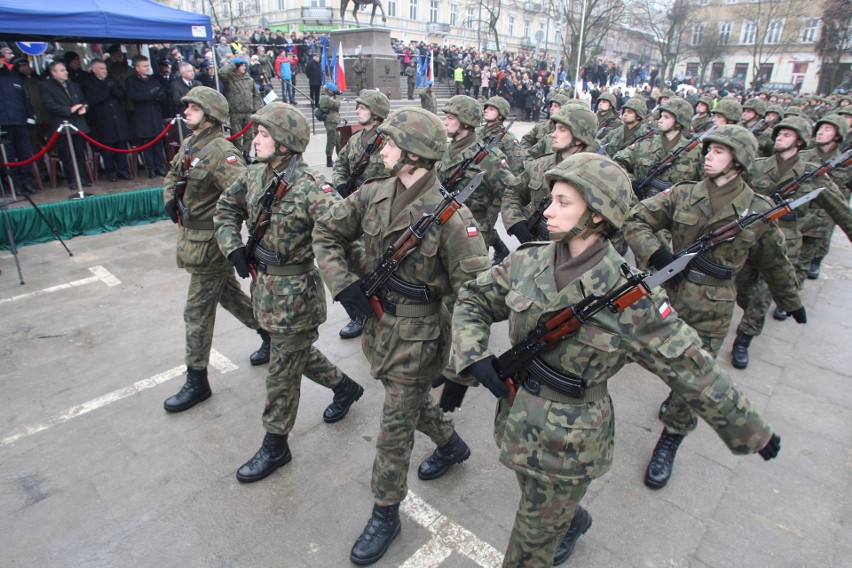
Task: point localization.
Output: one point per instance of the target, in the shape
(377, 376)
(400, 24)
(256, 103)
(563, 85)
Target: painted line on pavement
(448, 536)
(101, 274)
(217, 361)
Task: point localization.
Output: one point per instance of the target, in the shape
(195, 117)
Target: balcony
(318, 16)
(436, 28)
(527, 42)
(532, 7)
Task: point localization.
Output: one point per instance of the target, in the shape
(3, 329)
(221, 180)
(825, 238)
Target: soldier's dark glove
(240, 262)
(485, 372)
(799, 315)
(452, 395)
(662, 258)
(772, 447)
(355, 302)
(171, 210)
(341, 190)
(521, 232)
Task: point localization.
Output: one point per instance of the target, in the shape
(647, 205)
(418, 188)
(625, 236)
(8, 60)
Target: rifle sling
(543, 381)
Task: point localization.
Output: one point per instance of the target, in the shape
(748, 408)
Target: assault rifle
(180, 186)
(634, 140)
(457, 174)
(606, 123)
(355, 180)
(272, 196)
(536, 224)
(841, 160)
(410, 240)
(546, 336)
(665, 163)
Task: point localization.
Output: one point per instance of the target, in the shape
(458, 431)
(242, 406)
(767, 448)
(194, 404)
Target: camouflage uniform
(243, 99)
(621, 136)
(542, 129)
(509, 145)
(701, 124)
(557, 445)
(360, 69)
(410, 75)
(329, 104)
(427, 99)
(349, 155)
(603, 116)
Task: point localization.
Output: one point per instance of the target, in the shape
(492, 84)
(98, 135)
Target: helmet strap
(584, 229)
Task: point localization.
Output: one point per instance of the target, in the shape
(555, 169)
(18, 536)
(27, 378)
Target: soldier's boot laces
(345, 395)
(261, 356)
(381, 529)
(813, 271)
(579, 525)
(196, 389)
(662, 461)
(501, 251)
(665, 406)
(739, 356)
(273, 453)
(780, 314)
(443, 458)
(353, 329)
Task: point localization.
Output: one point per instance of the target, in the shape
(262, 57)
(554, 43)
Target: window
(391, 5)
(725, 32)
(809, 30)
(775, 31)
(240, 8)
(454, 14)
(471, 18)
(697, 33)
(282, 4)
(412, 10)
(433, 11)
(749, 33)
(527, 26)
(510, 26)
(226, 9)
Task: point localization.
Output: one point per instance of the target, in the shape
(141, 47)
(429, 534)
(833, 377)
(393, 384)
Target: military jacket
(539, 131)
(282, 304)
(701, 124)
(219, 165)
(360, 67)
(410, 73)
(330, 106)
(816, 222)
(685, 211)
(240, 90)
(509, 145)
(428, 101)
(402, 349)
(521, 200)
(618, 138)
(573, 442)
(765, 178)
(351, 153)
(497, 175)
(639, 158)
(602, 131)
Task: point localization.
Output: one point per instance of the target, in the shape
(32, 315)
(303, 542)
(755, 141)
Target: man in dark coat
(314, 72)
(164, 76)
(105, 96)
(16, 116)
(146, 95)
(64, 100)
(178, 89)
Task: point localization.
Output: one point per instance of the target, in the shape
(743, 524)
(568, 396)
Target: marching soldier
(607, 115)
(555, 442)
(288, 297)
(544, 128)
(329, 105)
(765, 143)
(727, 111)
(243, 99)
(427, 98)
(215, 164)
(702, 121)
(630, 129)
(753, 110)
(543, 148)
(704, 295)
(409, 346)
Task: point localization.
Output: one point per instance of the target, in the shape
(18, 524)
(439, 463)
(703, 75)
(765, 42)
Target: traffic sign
(32, 47)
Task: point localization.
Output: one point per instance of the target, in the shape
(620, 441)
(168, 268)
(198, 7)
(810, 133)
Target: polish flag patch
(231, 159)
(504, 162)
(665, 310)
(326, 188)
(472, 231)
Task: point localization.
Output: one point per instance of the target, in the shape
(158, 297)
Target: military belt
(411, 310)
(593, 394)
(285, 269)
(546, 382)
(698, 277)
(197, 225)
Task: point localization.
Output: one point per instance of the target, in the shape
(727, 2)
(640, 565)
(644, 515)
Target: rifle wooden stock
(180, 185)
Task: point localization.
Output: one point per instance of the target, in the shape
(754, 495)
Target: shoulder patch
(665, 310)
(231, 159)
(472, 231)
(326, 187)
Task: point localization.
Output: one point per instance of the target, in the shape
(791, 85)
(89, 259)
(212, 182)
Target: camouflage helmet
(212, 102)
(501, 104)
(797, 124)
(605, 186)
(757, 105)
(609, 97)
(581, 122)
(777, 109)
(416, 130)
(837, 121)
(681, 110)
(466, 109)
(376, 101)
(707, 101)
(844, 110)
(730, 109)
(286, 124)
(666, 93)
(793, 110)
(742, 143)
(637, 105)
(559, 99)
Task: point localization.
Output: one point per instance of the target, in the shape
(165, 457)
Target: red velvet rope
(125, 150)
(35, 157)
(241, 132)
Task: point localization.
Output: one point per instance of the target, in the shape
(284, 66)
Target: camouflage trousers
(812, 247)
(331, 141)
(206, 291)
(679, 417)
(239, 121)
(361, 81)
(293, 355)
(407, 408)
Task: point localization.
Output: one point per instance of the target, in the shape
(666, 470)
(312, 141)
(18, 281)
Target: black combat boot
(780, 314)
(501, 251)
(273, 453)
(662, 461)
(345, 395)
(352, 329)
(665, 405)
(329, 162)
(579, 524)
(813, 271)
(739, 356)
(443, 458)
(196, 389)
(261, 356)
(381, 529)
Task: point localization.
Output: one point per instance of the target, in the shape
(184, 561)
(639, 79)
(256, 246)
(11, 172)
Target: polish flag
(665, 310)
(341, 74)
(472, 231)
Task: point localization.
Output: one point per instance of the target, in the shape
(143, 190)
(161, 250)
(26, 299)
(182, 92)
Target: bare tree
(235, 12)
(487, 18)
(669, 22)
(708, 49)
(835, 41)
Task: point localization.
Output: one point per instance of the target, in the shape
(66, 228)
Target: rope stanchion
(126, 150)
(240, 133)
(40, 153)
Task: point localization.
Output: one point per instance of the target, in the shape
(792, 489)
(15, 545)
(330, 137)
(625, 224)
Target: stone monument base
(382, 62)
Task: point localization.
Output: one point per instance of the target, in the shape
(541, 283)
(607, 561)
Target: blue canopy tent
(100, 21)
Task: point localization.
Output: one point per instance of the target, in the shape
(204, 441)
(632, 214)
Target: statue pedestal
(382, 62)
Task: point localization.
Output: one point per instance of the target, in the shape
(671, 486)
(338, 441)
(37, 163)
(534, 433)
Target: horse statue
(362, 4)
